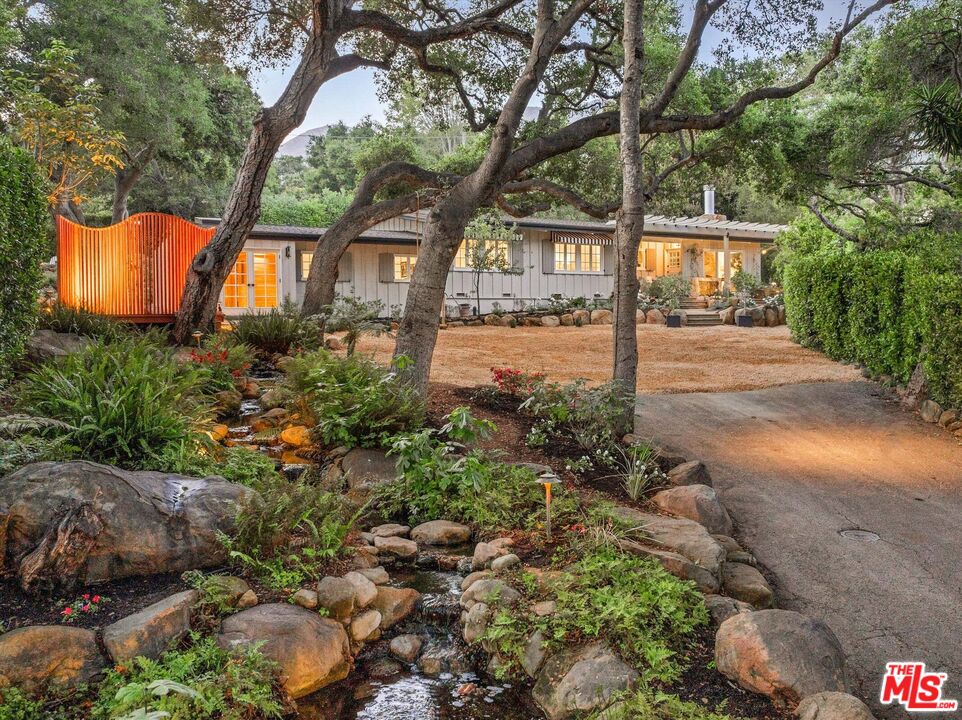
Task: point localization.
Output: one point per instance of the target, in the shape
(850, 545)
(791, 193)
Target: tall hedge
(885, 309)
(23, 212)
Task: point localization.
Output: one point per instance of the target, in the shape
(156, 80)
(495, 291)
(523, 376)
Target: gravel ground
(671, 360)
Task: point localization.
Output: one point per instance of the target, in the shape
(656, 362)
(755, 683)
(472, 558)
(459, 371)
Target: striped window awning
(581, 238)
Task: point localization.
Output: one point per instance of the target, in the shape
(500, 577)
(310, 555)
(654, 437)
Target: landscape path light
(547, 479)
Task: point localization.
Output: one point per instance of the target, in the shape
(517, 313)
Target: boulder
(365, 625)
(655, 317)
(531, 321)
(46, 345)
(365, 469)
(505, 562)
(377, 575)
(484, 553)
(693, 472)
(533, 657)
(395, 604)
(228, 402)
(640, 317)
(581, 317)
(476, 622)
(441, 532)
(683, 314)
(550, 321)
(544, 608)
(492, 320)
(337, 596)
(333, 344)
(682, 536)
(68, 522)
(696, 502)
(781, 654)
(390, 530)
(581, 679)
(296, 436)
(721, 608)
(677, 565)
(832, 706)
(949, 419)
(771, 317)
(727, 315)
(225, 589)
(152, 630)
(492, 592)
(364, 589)
(312, 651)
(568, 319)
(745, 583)
(276, 398)
(306, 599)
(406, 647)
(930, 411)
(248, 600)
(601, 317)
(32, 658)
(509, 320)
(473, 578)
(395, 546)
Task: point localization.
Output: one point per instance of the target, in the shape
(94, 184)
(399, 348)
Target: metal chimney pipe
(709, 199)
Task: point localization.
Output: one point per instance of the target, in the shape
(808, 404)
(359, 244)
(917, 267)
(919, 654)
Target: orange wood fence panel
(134, 270)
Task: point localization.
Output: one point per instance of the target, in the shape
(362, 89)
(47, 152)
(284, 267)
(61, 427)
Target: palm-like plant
(355, 317)
(938, 111)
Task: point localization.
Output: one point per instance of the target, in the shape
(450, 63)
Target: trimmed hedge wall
(884, 309)
(23, 213)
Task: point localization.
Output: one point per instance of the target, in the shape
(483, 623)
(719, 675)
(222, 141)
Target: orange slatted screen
(135, 269)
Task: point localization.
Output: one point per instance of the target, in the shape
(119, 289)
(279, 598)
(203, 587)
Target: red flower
(96, 598)
(86, 597)
(86, 608)
(67, 611)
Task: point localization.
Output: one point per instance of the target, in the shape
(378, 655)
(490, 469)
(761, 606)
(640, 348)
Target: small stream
(450, 682)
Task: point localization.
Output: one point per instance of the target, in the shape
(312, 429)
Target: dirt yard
(671, 360)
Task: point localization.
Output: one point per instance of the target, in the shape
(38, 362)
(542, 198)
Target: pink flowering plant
(86, 604)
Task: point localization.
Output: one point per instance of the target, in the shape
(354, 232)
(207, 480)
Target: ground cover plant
(199, 682)
(64, 319)
(649, 704)
(632, 603)
(441, 477)
(353, 401)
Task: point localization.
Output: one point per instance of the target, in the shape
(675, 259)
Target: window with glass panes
(573, 257)
(464, 257)
(404, 266)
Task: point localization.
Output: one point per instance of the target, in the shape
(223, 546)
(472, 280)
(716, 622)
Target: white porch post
(728, 263)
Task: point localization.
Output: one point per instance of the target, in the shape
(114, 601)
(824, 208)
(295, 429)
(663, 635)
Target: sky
(353, 96)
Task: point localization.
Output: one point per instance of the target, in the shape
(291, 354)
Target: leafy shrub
(518, 383)
(200, 682)
(353, 400)
(641, 610)
(279, 330)
(23, 215)
(287, 533)
(63, 319)
(440, 480)
(16, 705)
(669, 290)
(221, 361)
(200, 457)
(885, 309)
(318, 211)
(586, 416)
(123, 402)
(744, 282)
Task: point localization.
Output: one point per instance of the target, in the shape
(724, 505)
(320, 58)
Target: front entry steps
(690, 303)
(703, 318)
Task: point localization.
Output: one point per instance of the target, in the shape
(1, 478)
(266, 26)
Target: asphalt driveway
(797, 465)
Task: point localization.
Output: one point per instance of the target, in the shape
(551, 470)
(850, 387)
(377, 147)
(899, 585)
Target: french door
(254, 281)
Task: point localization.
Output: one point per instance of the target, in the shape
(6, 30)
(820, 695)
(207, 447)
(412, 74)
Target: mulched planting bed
(700, 683)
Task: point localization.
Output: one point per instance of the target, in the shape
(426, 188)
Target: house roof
(703, 227)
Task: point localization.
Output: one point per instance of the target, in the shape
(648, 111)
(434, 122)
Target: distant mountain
(298, 144)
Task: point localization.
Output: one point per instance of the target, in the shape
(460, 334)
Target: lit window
(736, 262)
(306, 258)
(235, 287)
(404, 266)
(590, 258)
(571, 257)
(499, 253)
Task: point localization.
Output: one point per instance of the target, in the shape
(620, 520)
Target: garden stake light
(548, 479)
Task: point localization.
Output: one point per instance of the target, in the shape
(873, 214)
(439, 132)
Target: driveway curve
(796, 465)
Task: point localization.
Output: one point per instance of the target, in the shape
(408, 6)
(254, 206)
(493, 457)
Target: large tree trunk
(418, 331)
(631, 218)
(210, 267)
